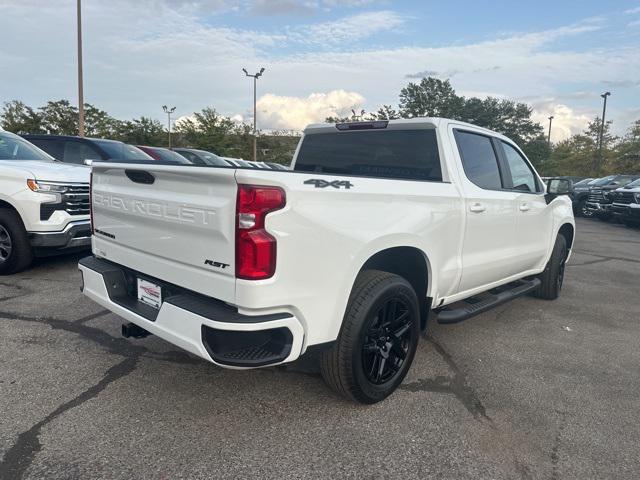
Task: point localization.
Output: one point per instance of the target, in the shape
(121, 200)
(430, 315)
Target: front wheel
(15, 250)
(378, 339)
(552, 277)
(583, 211)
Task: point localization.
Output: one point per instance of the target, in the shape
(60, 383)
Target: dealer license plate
(149, 293)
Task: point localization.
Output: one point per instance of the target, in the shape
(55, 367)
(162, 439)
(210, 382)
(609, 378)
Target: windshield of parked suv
(170, 156)
(583, 183)
(12, 147)
(603, 181)
(634, 184)
(403, 154)
(121, 151)
(211, 158)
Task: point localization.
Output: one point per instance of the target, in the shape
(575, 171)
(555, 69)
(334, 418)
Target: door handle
(477, 207)
(524, 207)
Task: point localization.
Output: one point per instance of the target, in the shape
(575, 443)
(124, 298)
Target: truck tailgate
(175, 223)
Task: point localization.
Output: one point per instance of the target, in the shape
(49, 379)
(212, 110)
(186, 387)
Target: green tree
(17, 117)
(504, 116)
(627, 153)
(98, 123)
(385, 112)
(211, 131)
(59, 118)
(538, 151)
(141, 131)
(431, 97)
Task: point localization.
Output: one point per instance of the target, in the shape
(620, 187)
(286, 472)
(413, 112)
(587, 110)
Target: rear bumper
(75, 234)
(203, 326)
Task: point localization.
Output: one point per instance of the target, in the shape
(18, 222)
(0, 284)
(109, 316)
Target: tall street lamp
(549, 137)
(255, 135)
(169, 111)
(80, 87)
(604, 112)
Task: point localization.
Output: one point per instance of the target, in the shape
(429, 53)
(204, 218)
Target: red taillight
(91, 201)
(255, 247)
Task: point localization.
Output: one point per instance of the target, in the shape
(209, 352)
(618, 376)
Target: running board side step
(494, 297)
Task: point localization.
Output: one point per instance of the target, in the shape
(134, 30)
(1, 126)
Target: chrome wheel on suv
(5, 244)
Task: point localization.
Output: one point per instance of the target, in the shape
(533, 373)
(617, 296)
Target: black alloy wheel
(387, 341)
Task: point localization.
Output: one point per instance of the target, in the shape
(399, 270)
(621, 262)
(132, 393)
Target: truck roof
(399, 123)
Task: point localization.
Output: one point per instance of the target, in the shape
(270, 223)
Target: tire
(15, 251)
(553, 275)
(377, 341)
(583, 211)
(631, 223)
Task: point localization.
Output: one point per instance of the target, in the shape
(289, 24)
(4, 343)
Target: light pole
(169, 111)
(549, 136)
(255, 135)
(80, 87)
(604, 112)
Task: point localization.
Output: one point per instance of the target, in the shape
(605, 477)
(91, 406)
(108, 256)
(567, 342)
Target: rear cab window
(408, 154)
(479, 159)
(494, 164)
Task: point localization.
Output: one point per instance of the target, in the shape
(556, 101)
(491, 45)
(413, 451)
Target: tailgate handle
(140, 176)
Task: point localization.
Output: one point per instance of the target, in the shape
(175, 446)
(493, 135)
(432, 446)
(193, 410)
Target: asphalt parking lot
(532, 389)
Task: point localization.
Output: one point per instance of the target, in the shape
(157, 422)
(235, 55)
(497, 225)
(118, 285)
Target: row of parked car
(611, 197)
(44, 189)
(70, 149)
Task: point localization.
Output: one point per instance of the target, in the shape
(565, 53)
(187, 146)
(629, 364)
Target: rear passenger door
(489, 246)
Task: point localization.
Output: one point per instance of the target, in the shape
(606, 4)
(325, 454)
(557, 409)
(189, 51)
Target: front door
(533, 215)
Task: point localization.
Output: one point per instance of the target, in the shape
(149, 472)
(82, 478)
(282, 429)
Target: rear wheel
(378, 339)
(15, 250)
(552, 277)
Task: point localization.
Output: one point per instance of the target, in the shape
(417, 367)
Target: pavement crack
(119, 346)
(590, 262)
(555, 455)
(607, 257)
(18, 458)
(91, 317)
(456, 385)
(115, 345)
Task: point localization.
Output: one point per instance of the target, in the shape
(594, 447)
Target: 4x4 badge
(319, 183)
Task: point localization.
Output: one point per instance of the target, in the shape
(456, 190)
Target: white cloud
(282, 7)
(354, 27)
(164, 54)
(294, 113)
(632, 10)
(566, 121)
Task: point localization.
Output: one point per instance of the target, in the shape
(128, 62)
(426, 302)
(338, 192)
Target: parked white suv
(376, 225)
(44, 204)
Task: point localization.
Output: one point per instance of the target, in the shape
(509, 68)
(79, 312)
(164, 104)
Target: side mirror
(555, 187)
(558, 186)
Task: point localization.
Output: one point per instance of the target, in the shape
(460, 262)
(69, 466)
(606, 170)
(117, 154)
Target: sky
(324, 57)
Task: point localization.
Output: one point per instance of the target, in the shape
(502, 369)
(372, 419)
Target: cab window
(479, 159)
(522, 177)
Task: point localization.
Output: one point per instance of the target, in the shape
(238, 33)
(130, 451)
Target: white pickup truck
(376, 225)
(44, 204)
